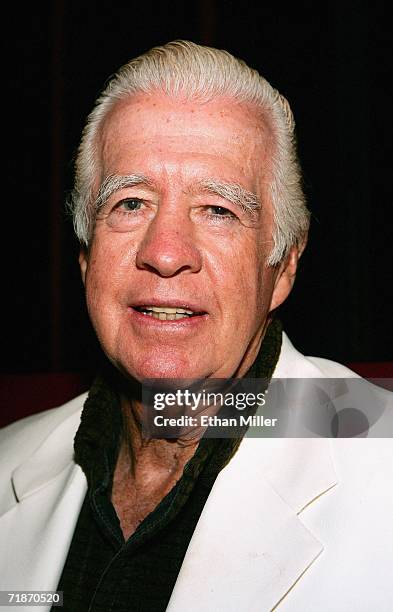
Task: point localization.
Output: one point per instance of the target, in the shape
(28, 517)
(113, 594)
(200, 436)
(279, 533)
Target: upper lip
(169, 303)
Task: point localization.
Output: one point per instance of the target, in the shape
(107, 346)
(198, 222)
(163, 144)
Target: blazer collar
(48, 461)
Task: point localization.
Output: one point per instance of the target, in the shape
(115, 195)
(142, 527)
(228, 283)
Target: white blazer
(294, 524)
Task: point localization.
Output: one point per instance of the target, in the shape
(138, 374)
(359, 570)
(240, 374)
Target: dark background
(329, 59)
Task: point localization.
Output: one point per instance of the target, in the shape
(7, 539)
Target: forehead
(221, 135)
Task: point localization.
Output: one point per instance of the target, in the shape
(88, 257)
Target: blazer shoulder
(293, 364)
(20, 439)
(332, 369)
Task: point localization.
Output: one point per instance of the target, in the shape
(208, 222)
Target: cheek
(101, 289)
(96, 281)
(249, 268)
(265, 284)
(241, 283)
(253, 290)
(109, 261)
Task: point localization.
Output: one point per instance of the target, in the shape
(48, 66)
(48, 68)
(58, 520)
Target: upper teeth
(168, 310)
(166, 313)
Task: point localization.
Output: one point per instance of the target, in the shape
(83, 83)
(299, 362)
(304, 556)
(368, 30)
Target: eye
(221, 211)
(130, 204)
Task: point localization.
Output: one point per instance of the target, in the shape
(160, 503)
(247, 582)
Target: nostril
(164, 270)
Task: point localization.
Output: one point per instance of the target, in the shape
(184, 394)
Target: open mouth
(167, 313)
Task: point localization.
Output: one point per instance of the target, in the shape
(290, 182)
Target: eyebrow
(116, 182)
(233, 192)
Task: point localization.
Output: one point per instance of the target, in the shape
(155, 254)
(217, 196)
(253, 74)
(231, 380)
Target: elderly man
(189, 209)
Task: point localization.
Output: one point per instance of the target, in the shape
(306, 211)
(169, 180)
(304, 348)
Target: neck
(145, 472)
(138, 450)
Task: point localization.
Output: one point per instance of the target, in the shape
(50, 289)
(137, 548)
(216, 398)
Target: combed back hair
(183, 68)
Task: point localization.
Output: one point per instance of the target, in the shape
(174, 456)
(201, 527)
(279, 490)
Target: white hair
(185, 68)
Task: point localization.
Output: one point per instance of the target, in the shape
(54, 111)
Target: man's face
(182, 239)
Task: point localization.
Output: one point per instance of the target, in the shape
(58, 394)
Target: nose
(168, 247)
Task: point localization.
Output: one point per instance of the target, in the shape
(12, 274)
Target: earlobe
(285, 278)
(83, 264)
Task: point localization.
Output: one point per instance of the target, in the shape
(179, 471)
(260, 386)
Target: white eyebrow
(116, 182)
(235, 193)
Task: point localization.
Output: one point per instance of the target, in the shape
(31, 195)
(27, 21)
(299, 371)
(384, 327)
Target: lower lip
(150, 321)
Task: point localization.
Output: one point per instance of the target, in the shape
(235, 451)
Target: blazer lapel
(40, 519)
(250, 547)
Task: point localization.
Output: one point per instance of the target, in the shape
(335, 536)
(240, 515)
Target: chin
(163, 366)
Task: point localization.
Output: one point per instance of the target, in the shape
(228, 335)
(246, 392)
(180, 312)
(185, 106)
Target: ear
(286, 275)
(83, 260)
